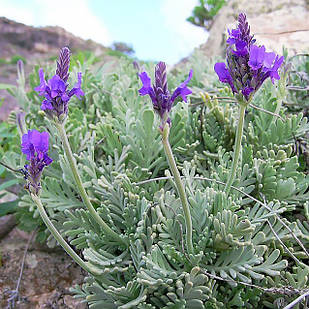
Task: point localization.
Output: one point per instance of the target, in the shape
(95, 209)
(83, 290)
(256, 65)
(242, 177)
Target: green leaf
(8, 207)
(8, 184)
(6, 86)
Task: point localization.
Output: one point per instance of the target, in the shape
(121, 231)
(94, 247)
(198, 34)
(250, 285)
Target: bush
(248, 245)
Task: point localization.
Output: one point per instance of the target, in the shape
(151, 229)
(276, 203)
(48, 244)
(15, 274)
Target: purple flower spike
(160, 96)
(35, 146)
(248, 65)
(63, 64)
(56, 93)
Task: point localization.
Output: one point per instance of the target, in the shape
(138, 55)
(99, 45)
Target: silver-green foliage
(113, 133)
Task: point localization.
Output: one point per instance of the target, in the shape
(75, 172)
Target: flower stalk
(179, 186)
(163, 101)
(81, 189)
(57, 235)
(57, 97)
(248, 66)
(237, 147)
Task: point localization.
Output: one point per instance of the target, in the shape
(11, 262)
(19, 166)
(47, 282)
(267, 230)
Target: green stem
(280, 95)
(179, 186)
(82, 191)
(237, 148)
(57, 235)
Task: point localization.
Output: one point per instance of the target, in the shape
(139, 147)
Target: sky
(156, 29)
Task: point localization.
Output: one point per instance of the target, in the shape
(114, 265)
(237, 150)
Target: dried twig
(297, 88)
(287, 290)
(284, 246)
(242, 192)
(297, 300)
(282, 32)
(231, 100)
(12, 169)
(287, 227)
(14, 294)
(266, 111)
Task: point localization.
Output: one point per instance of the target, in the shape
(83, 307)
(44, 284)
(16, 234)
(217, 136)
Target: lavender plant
(162, 103)
(247, 244)
(249, 66)
(35, 147)
(55, 106)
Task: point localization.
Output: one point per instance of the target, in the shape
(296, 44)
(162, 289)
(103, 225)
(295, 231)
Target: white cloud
(74, 16)
(186, 36)
(22, 15)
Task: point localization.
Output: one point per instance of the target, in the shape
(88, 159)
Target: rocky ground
(46, 278)
(35, 45)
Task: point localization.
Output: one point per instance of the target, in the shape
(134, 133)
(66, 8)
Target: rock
(28, 41)
(33, 44)
(275, 24)
(46, 279)
(7, 223)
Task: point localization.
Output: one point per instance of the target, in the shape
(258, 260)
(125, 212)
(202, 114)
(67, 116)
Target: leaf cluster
(244, 243)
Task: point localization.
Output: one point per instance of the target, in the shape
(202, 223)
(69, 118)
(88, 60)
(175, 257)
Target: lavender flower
(161, 98)
(55, 91)
(248, 65)
(35, 146)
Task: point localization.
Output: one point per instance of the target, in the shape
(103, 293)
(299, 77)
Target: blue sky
(157, 29)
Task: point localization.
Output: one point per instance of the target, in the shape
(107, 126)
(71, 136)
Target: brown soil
(46, 279)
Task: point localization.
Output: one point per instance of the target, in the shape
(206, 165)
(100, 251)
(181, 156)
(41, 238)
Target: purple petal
(274, 70)
(47, 160)
(46, 104)
(56, 85)
(268, 60)
(146, 89)
(26, 146)
(65, 98)
(257, 56)
(246, 92)
(76, 90)
(42, 87)
(41, 142)
(241, 48)
(34, 141)
(183, 90)
(234, 36)
(224, 74)
(54, 94)
(146, 80)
